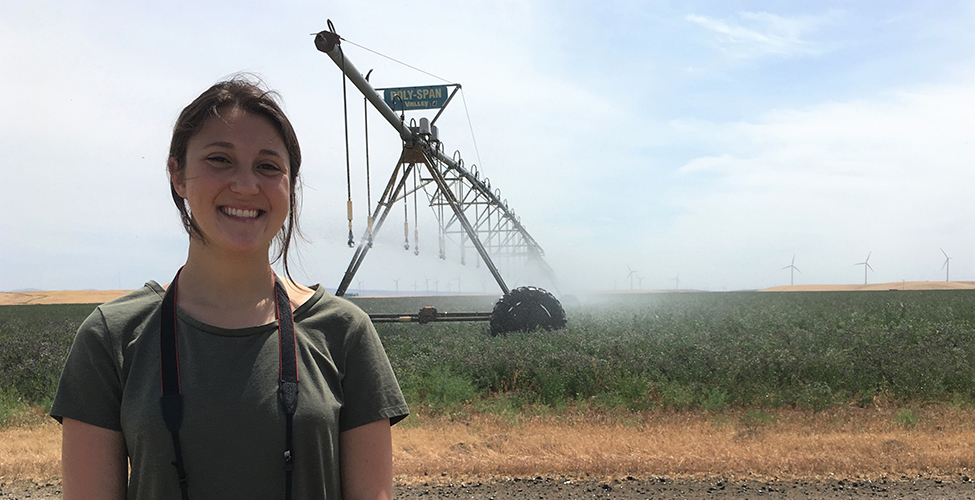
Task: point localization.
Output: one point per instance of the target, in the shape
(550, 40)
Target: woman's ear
(176, 177)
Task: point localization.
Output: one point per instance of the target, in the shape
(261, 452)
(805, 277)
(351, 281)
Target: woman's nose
(244, 181)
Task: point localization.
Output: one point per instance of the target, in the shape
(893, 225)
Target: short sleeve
(370, 387)
(90, 389)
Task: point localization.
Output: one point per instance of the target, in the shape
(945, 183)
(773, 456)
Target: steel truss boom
(456, 188)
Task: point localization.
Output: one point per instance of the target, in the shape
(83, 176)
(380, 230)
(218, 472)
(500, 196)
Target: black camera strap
(172, 393)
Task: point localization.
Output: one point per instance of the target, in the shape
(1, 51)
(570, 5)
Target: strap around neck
(172, 391)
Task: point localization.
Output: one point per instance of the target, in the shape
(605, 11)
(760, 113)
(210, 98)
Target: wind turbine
(397, 285)
(946, 267)
(639, 282)
(792, 274)
(677, 282)
(866, 265)
(630, 276)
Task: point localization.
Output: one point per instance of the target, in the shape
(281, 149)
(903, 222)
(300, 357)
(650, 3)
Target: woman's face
(236, 181)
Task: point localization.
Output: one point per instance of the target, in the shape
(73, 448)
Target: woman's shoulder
(324, 305)
(129, 310)
(149, 295)
(332, 319)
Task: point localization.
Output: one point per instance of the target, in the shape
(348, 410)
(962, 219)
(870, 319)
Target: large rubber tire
(526, 309)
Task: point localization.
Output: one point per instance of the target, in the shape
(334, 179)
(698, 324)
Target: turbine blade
(943, 251)
(868, 256)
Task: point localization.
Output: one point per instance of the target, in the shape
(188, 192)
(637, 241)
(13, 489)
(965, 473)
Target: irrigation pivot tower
(463, 202)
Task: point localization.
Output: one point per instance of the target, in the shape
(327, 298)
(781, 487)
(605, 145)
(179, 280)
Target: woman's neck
(229, 291)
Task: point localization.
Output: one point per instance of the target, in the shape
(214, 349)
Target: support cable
(406, 215)
(440, 236)
(348, 167)
(395, 60)
(416, 223)
(471, 127)
(365, 109)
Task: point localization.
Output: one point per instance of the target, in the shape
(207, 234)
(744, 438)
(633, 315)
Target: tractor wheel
(525, 309)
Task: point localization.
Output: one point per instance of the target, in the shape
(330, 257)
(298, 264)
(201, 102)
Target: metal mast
(483, 216)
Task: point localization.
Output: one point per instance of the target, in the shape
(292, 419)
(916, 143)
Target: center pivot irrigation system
(458, 197)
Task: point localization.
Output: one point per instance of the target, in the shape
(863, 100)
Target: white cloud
(831, 183)
(757, 34)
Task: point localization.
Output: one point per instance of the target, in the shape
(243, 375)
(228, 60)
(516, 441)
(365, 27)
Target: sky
(701, 144)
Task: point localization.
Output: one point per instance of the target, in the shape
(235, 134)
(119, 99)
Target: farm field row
(636, 352)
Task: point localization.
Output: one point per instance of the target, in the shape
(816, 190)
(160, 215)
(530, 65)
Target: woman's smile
(241, 213)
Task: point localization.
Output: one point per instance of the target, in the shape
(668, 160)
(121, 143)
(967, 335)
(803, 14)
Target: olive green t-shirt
(233, 431)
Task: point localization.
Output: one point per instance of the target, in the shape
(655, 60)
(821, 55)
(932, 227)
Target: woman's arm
(366, 454)
(94, 463)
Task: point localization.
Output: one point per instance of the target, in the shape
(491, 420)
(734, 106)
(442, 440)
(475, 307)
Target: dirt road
(633, 488)
(630, 488)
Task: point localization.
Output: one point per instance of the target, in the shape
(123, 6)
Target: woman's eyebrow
(230, 145)
(270, 152)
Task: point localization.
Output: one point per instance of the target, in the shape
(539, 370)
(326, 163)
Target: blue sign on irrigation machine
(409, 98)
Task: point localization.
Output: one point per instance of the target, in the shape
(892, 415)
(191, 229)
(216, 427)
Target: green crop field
(696, 350)
(34, 340)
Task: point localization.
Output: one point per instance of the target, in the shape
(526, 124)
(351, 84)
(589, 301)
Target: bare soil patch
(631, 488)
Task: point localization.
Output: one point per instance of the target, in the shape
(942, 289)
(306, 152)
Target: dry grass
(846, 443)
(30, 447)
(840, 443)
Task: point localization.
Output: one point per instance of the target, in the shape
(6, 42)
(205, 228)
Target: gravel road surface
(540, 488)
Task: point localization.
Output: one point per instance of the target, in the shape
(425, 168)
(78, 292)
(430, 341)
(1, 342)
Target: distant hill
(26, 297)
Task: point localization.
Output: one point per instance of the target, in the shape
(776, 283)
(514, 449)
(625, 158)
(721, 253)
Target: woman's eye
(218, 159)
(269, 168)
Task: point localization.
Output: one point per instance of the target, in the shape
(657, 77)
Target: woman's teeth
(236, 212)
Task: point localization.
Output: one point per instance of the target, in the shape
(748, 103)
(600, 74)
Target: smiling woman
(206, 375)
